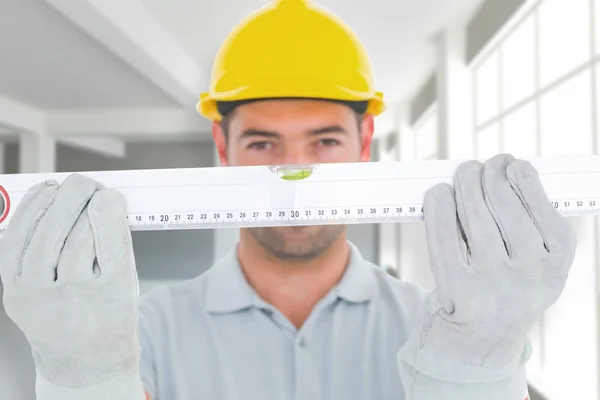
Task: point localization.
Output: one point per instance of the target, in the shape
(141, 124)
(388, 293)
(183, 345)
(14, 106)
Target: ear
(367, 130)
(220, 142)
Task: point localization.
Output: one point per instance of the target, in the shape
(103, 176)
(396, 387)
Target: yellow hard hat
(291, 49)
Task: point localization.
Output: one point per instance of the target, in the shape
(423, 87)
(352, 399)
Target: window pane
(566, 118)
(535, 364)
(486, 95)
(519, 133)
(518, 64)
(488, 142)
(564, 37)
(597, 25)
(597, 111)
(427, 138)
(570, 325)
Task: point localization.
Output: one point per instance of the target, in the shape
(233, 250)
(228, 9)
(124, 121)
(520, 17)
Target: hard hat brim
(207, 106)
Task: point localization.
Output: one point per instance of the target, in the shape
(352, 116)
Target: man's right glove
(70, 284)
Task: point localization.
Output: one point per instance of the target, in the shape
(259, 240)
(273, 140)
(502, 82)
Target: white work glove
(70, 284)
(500, 254)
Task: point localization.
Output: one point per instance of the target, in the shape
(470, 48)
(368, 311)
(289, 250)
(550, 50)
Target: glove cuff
(123, 388)
(427, 361)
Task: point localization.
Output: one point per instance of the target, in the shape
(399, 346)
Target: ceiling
(76, 58)
(398, 34)
(49, 63)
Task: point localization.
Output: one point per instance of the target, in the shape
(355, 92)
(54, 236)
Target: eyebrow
(328, 129)
(253, 132)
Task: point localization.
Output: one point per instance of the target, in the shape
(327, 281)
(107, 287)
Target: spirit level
(348, 193)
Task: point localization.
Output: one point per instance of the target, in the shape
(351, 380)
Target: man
(291, 312)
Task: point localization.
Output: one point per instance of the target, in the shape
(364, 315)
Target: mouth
(296, 230)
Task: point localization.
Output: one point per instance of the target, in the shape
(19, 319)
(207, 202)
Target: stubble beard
(309, 243)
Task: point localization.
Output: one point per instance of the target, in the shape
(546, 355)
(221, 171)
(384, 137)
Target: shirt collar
(227, 288)
(358, 283)
(229, 291)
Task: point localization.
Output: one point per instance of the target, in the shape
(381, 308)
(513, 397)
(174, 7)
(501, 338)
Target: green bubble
(295, 175)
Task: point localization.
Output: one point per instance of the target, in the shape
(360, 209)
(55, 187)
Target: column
(388, 232)
(37, 153)
(406, 138)
(454, 98)
(2, 158)
(411, 246)
(405, 151)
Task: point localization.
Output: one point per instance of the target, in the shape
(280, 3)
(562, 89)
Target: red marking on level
(6, 198)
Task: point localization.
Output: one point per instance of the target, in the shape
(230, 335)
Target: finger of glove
(482, 236)
(77, 258)
(446, 253)
(518, 231)
(24, 222)
(112, 235)
(42, 255)
(557, 234)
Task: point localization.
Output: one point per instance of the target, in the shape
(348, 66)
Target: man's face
(276, 132)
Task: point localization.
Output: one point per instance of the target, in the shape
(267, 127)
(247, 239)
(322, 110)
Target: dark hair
(226, 109)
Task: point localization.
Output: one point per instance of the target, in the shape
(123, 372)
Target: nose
(296, 153)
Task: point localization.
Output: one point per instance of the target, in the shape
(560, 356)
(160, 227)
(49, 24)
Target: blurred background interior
(104, 85)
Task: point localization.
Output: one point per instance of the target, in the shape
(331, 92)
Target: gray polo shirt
(213, 337)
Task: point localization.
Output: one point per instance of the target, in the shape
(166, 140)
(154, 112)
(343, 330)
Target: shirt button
(302, 342)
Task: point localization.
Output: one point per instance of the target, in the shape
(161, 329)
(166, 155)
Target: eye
(329, 142)
(260, 145)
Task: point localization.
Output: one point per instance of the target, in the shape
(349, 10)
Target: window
(518, 64)
(487, 92)
(566, 118)
(534, 96)
(533, 90)
(519, 129)
(564, 37)
(488, 141)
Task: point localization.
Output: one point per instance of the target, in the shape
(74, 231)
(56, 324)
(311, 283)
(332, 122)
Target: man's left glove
(70, 284)
(500, 254)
